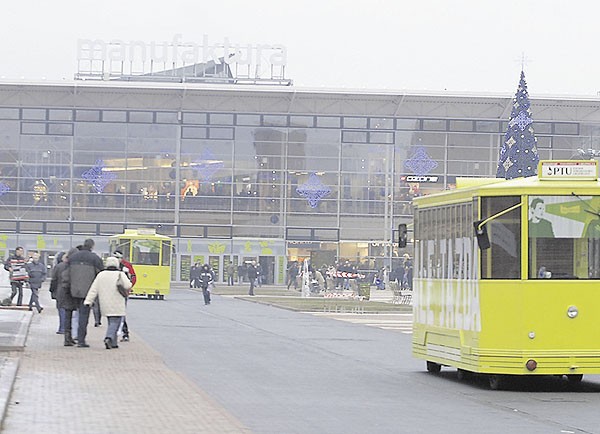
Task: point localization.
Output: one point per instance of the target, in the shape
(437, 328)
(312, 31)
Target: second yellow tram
(150, 255)
(507, 275)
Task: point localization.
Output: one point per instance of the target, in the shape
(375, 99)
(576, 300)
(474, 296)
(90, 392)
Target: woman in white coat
(112, 303)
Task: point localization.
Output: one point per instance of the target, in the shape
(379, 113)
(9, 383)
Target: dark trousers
(206, 294)
(230, 280)
(97, 313)
(252, 281)
(34, 300)
(66, 324)
(16, 286)
(84, 317)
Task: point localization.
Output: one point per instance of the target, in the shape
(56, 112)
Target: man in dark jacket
(252, 275)
(84, 265)
(18, 274)
(36, 270)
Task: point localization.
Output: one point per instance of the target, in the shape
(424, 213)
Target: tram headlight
(572, 311)
(531, 365)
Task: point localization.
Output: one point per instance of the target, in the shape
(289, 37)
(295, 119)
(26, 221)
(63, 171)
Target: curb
(9, 366)
(21, 336)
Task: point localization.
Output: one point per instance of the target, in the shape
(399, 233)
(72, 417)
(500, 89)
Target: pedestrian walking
(84, 266)
(54, 293)
(64, 299)
(252, 273)
(206, 278)
(129, 271)
(15, 265)
(104, 287)
(36, 270)
(230, 273)
(195, 276)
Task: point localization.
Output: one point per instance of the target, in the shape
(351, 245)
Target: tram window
(564, 237)
(503, 259)
(146, 252)
(166, 253)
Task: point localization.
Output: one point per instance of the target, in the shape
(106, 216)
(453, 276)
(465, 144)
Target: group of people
(203, 277)
(79, 280)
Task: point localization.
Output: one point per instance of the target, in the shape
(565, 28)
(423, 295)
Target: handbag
(121, 288)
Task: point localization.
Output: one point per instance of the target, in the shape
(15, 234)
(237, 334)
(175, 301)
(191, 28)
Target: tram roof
(467, 188)
(141, 233)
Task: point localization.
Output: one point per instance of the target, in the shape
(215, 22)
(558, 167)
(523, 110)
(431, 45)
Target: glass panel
(60, 129)
(461, 125)
(195, 118)
(503, 259)
(60, 115)
(166, 253)
(354, 136)
(354, 122)
(34, 114)
(276, 121)
(220, 133)
(33, 128)
(328, 122)
(167, 118)
(9, 113)
(114, 116)
(141, 117)
(145, 252)
(302, 121)
(434, 124)
(564, 237)
(381, 123)
(487, 126)
(382, 137)
(407, 124)
(221, 119)
(193, 133)
(542, 127)
(249, 120)
(87, 115)
(564, 128)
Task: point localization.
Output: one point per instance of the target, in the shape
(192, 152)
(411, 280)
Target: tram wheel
(496, 381)
(575, 378)
(150, 296)
(433, 367)
(161, 297)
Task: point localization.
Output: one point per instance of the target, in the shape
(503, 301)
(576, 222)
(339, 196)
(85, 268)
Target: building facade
(239, 173)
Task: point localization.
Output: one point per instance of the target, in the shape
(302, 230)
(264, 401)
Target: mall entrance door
(267, 263)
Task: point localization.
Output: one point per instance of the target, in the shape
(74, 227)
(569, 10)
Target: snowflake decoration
(420, 163)
(314, 190)
(97, 177)
(522, 121)
(207, 165)
(4, 188)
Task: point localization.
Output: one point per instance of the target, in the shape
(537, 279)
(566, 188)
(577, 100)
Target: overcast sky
(435, 45)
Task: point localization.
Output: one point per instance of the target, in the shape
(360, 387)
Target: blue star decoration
(207, 165)
(4, 188)
(420, 163)
(313, 190)
(97, 177)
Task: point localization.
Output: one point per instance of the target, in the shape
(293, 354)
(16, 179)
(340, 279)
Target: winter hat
(118, 254)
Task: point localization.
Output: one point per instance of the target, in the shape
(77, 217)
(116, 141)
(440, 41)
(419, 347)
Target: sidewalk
(62, 390)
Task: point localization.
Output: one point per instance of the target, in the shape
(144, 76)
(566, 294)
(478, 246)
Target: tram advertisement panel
(564, 216)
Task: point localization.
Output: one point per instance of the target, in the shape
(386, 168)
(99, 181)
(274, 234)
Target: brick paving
(93, 390)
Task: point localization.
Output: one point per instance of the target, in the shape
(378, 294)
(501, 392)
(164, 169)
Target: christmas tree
(518, 154)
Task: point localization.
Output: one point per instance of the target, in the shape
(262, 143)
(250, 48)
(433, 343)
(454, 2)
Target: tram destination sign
(564, 170)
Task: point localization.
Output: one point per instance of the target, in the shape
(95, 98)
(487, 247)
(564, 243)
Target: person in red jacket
(130, 272)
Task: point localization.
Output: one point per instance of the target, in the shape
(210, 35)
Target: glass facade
(301, 171)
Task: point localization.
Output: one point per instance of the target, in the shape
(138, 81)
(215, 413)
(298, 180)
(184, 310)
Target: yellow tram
(506, 275)
(150, 255)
